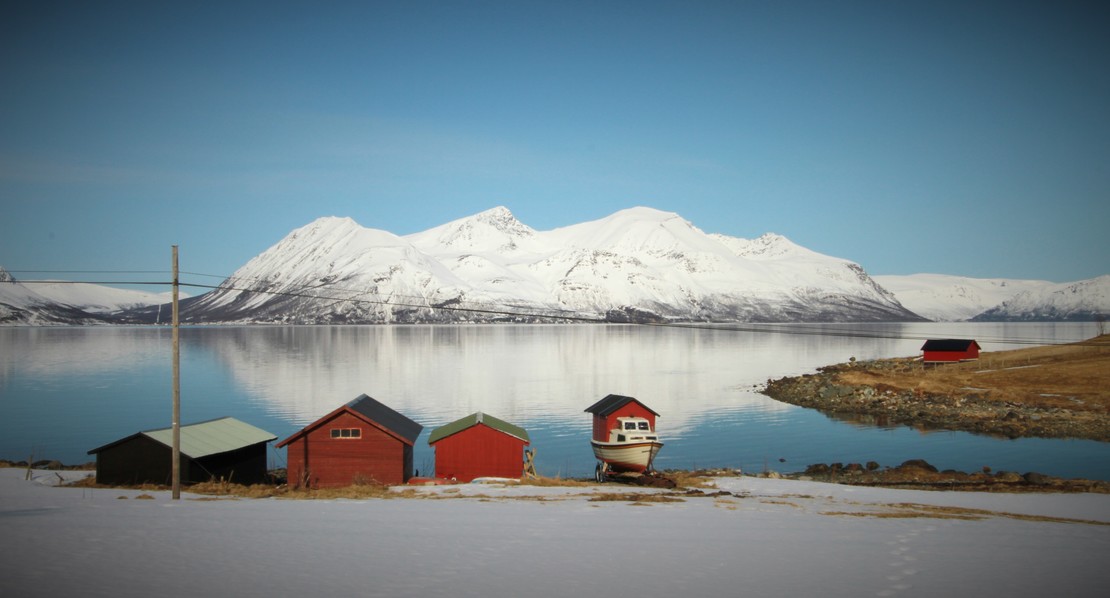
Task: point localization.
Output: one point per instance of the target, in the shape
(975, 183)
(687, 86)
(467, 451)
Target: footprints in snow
(903, 565)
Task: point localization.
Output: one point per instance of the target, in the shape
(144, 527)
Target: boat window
(651, 437)
(629, 425)
(644, 426)
(620, 437)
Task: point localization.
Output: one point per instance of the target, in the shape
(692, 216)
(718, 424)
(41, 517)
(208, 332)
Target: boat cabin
(632, 429)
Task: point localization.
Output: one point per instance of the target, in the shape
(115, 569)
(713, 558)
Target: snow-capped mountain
(637, 264)
(945, 298)
(1085, 300)
(20, 305)
(68, 303)
(956, 298)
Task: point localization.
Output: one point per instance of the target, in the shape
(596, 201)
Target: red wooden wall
(602, 425)
(332, 462)
(972, 352)
(479, 451)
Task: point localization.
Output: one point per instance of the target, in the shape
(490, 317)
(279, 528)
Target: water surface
(66, 390)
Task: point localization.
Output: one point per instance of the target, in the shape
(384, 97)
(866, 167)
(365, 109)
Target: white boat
(631, 447)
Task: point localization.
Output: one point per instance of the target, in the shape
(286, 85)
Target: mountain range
(637, 265)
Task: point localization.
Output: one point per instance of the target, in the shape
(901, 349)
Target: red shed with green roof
(477, 446)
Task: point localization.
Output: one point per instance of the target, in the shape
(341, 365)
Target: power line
(97, 282)
(92, 271)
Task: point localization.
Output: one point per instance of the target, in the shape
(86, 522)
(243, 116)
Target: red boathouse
(950, 349)
(607, 410)
(479, 445)
(363, 441)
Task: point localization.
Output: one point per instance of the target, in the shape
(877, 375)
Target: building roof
(205, 438)
(373, 412)
(613, 402)
(474, 419)
(949, 344)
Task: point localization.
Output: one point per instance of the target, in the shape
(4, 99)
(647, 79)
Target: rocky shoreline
(969, 410)
(920, 475)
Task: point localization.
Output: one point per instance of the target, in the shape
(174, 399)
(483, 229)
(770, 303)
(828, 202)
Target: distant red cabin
(363, 441)
(607, 410)
(479, 445)
(950, 349)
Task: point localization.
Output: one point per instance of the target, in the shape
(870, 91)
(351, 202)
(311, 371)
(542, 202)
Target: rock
(1038, 479)
(919, 464)
(1007, 477)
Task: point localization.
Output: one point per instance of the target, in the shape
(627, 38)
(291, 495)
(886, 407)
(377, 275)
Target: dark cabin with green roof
(224, 448)
(478, 446)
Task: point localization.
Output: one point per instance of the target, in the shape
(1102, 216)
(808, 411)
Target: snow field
(772, 537)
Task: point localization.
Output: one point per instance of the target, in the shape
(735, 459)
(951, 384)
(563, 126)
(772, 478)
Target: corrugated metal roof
(212, 437)
(474, 419)
(948, 344)
(611, 403)
(386, 417)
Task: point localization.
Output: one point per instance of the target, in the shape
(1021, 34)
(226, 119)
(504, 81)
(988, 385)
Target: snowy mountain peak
(637, 231)
(768, 246)
(492, 230)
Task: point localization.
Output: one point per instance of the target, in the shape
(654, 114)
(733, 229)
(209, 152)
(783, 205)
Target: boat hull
(626, 456)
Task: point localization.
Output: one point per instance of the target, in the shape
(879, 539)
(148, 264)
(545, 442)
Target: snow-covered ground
(767, 538)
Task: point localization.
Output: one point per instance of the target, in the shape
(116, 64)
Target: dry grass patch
(635, 497)
(914, 510)
(768, 501)
(556, 482)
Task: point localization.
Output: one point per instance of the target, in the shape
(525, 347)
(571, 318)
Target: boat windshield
(644, 426)
(629, 425)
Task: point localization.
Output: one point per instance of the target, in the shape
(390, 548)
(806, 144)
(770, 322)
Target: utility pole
(176, 467)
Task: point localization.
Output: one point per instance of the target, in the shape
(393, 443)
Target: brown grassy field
(1074, 377)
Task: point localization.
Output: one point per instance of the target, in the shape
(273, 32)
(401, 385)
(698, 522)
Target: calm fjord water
(66, 390)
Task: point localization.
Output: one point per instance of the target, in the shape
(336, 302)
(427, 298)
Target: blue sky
(966, 138)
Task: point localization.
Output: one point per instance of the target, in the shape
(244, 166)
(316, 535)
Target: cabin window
(620, 437)
(644, 426)
(346, 433)
(629, 425)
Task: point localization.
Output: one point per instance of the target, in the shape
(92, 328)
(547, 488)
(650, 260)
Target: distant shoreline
(1058, 391)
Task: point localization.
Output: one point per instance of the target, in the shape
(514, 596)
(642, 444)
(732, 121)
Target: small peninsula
(1055, 391)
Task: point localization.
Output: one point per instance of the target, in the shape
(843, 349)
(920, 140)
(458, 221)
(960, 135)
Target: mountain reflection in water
(64, 391)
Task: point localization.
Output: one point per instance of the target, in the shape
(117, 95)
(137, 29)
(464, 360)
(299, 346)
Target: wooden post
(176, 466)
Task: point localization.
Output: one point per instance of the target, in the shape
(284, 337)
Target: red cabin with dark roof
(361, 442)
(607, 410)
(950, 349)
